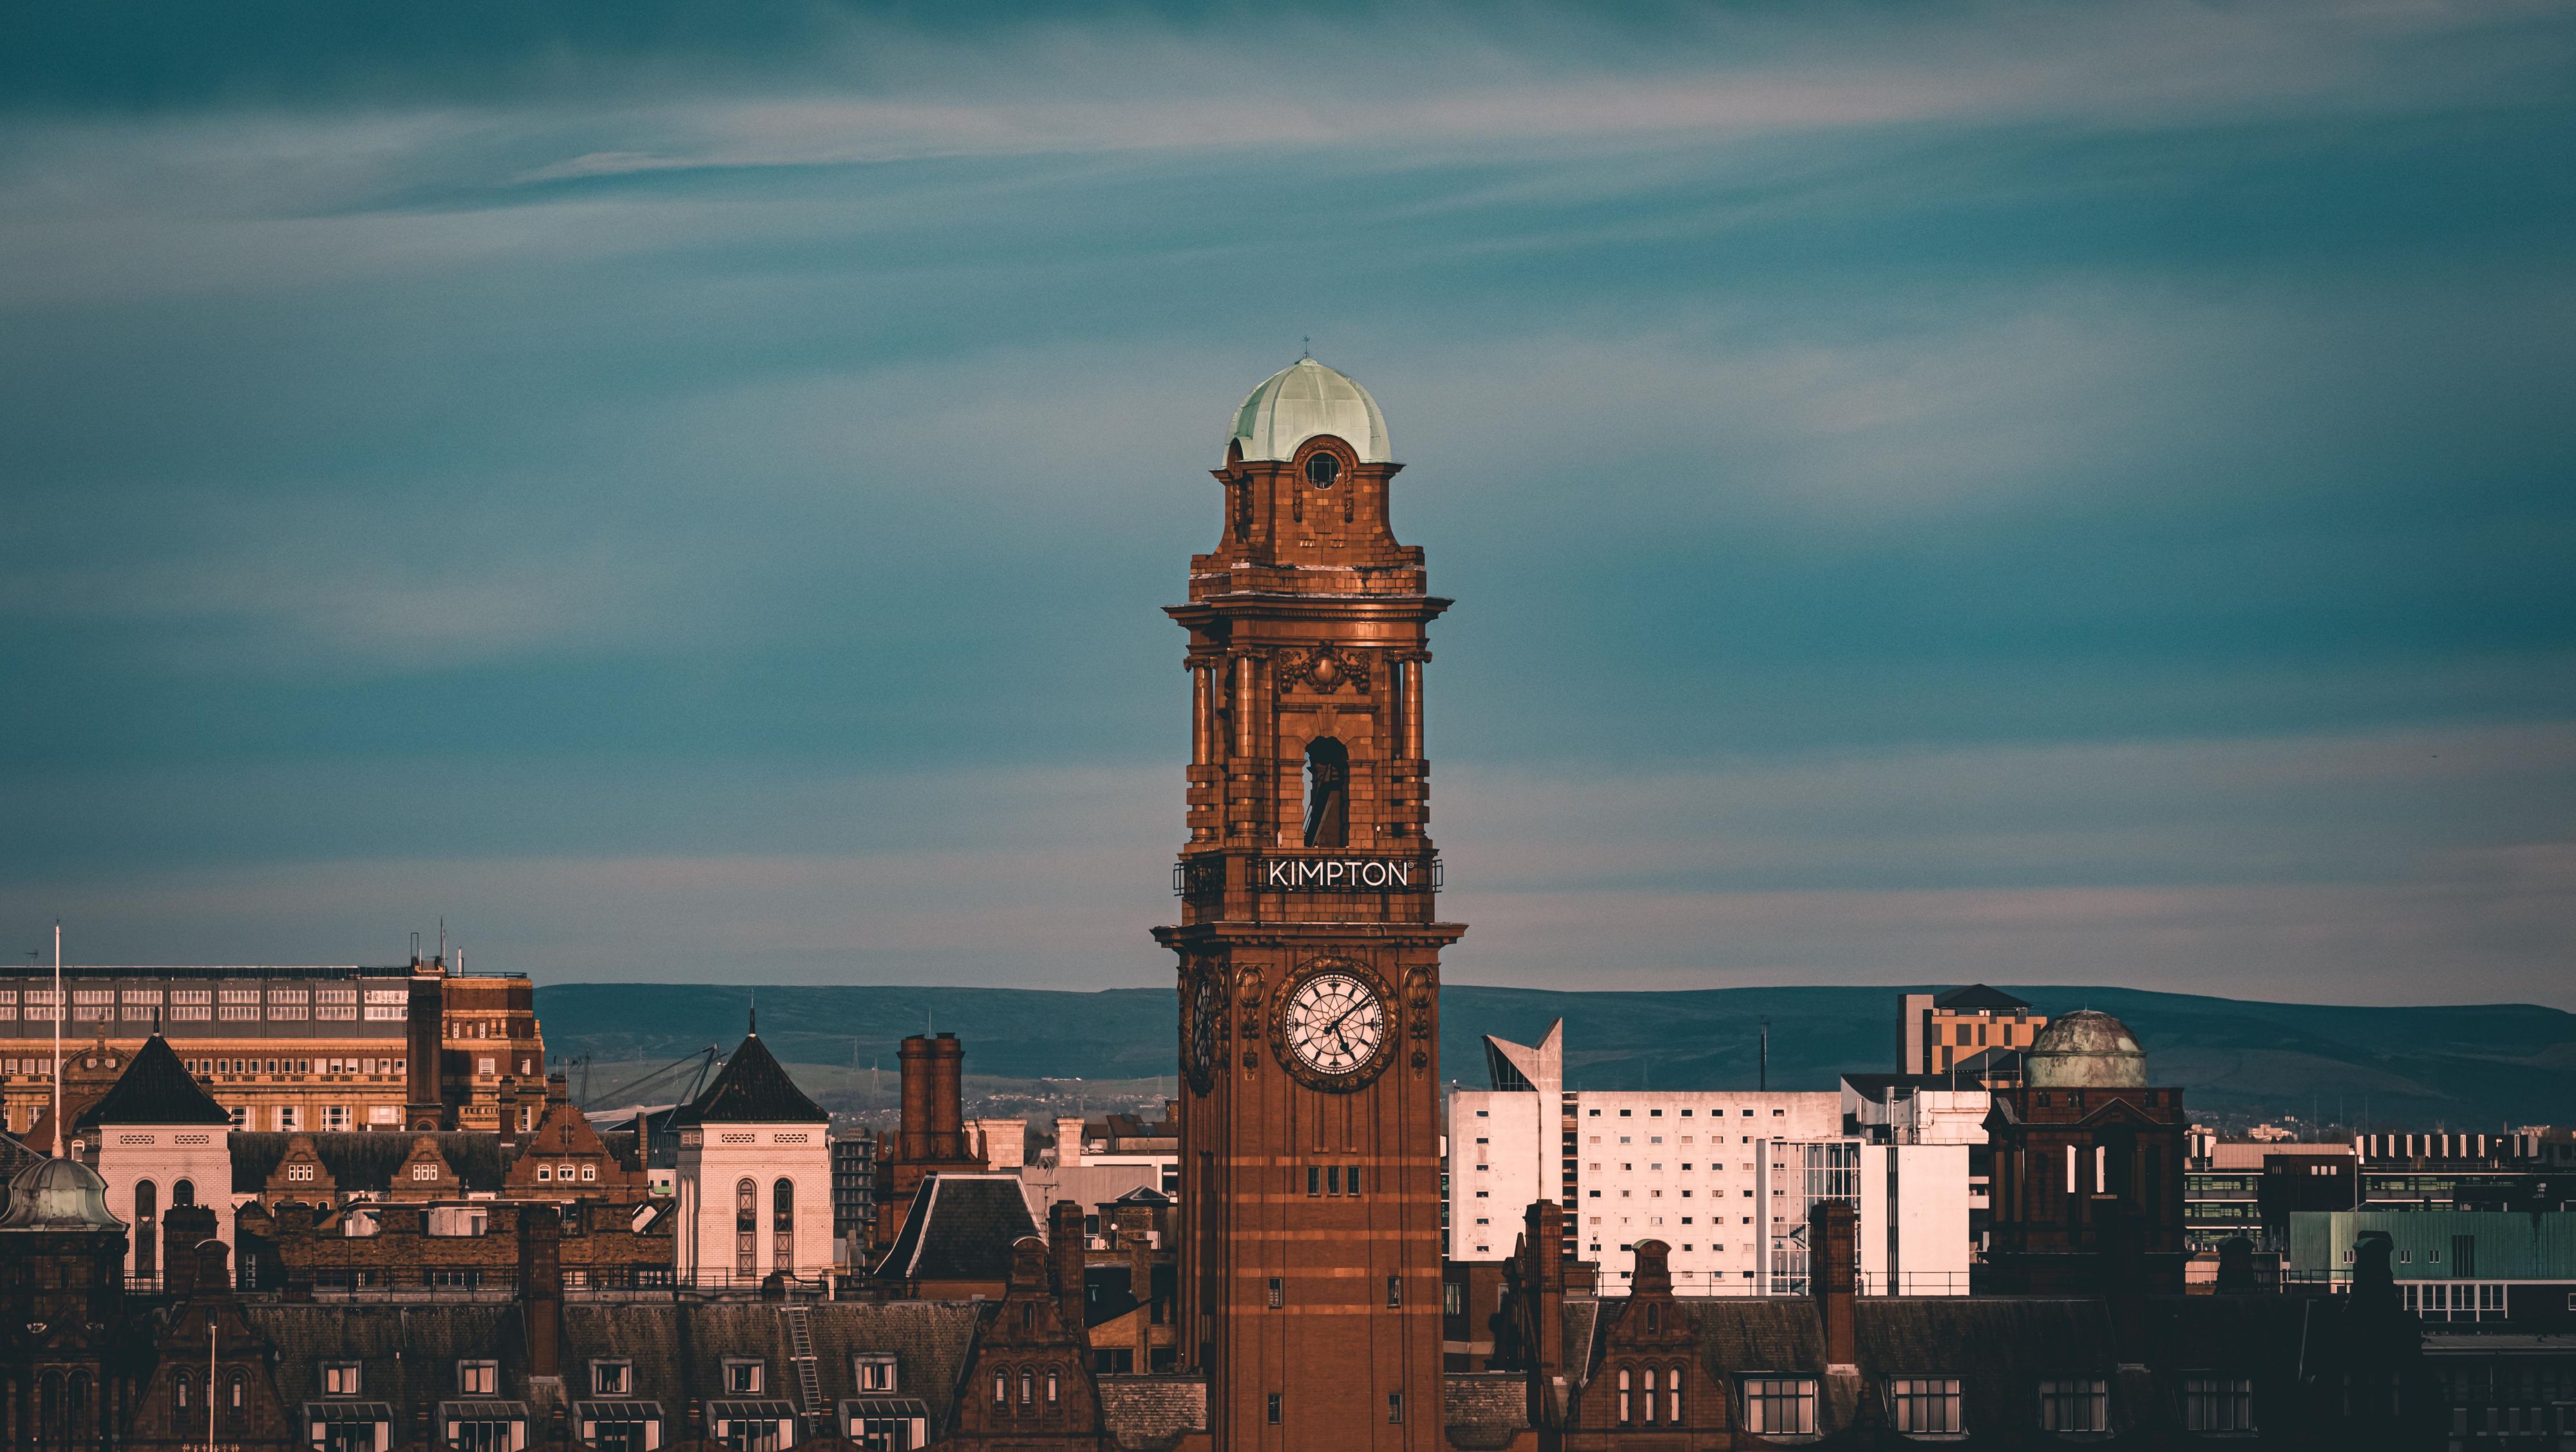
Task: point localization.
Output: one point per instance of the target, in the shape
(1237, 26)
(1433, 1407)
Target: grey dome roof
(2086, 1049)
(58, 1194)
(1305, 399)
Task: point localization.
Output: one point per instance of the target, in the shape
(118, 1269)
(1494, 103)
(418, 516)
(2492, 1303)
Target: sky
(2036, 493)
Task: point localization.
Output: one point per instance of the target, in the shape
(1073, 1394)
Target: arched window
(147, 1236)
(76, 1408)
(183, 1192)
(1624, 1416)
(179, 1391)
(1051, 1386)
(1650, 1396)
(233, 1399)
(782, 1224)
(1654, 1316)
(1001, 1388)
(746, 1229)
(1674, 1383)
(1328, 793)
(49, 1407)
(1028, 1387)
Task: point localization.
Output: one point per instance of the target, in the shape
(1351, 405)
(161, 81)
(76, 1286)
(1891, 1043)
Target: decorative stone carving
(1325, 669)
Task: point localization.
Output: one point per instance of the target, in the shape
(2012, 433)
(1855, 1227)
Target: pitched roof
(960, 1228)
(1484, 1409)
(361, 1160)
(1978, 995)
(155, 1089)
(1149, 1412)
(752, 1089)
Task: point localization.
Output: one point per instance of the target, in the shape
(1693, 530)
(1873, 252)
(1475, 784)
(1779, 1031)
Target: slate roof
(960, 1228)
(1978, 995)
(752, 1089)
(408, 1353)
(1151, 1413)
(359, 1160)
(1484, 1409)
(155, 1089)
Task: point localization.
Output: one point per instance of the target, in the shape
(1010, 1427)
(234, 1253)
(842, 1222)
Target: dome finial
(1308, 350)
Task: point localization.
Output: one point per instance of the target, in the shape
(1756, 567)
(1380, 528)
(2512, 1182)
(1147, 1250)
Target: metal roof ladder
(809, 1380)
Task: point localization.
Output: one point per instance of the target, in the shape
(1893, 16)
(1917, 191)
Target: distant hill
(2477, 1067)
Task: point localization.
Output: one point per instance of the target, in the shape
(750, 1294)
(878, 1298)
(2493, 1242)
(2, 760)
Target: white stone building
(1723, 1177)
(755, 1177)
(162, 1141)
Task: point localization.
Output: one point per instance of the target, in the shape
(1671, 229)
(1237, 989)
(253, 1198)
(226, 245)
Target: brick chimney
(934, 1128)
(1065, 1243)
(1833, 1247)
(1068, 1143)
(424, 1046)
(1541, 1277)
(541, 1287)
(183, 1229)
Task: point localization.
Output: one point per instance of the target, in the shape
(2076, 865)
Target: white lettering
(1277, 869)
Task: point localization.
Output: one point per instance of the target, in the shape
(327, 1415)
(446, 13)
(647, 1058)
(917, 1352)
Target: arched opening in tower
(1328, 796)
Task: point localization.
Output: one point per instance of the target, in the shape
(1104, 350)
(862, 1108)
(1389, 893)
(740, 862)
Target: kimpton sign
(1339, 874)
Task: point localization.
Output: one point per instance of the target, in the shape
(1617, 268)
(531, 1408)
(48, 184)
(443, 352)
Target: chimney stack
(1065, 1241)
(425, 1041)
(1068, 1143)
(947, 1098)
(1542, 1281)
(541, 1287)
(1833, 1247)
(183, 1229)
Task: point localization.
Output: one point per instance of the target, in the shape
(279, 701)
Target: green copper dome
(58, 1195)
(2085, 1049)
(1305, 399)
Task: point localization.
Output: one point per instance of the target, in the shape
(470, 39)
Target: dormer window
(874, 1372)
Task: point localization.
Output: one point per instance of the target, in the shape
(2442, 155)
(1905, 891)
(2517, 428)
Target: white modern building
(755, 1177)
(1723, 1177)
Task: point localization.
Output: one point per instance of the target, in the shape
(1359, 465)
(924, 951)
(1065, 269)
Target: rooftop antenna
(415, 947)
(1307, 350)
(58, 1038)
(1762, 1078)
(442, 937)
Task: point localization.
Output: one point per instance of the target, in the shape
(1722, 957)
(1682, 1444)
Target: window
(1395, 1406)
(2217, 1404)
(1278, 1293)
(742, 1376)
(1274, 1409)
(2075, 1406)
(340, 1378)
(1314, 1180)
(1328, 774)
(1453, 1299)
(612, 1378)
(1780, 1406)
(179, 1391)
(478, 1378)
(746, 1229)
(1394, 1291)
(782, 1225)
(874, 1372)
(1674, 1384)
(1050, 1386)
(1924, 1404)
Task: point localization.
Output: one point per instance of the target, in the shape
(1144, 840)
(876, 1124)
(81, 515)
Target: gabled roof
(155, 1089)
(752, 1089)
(361, 1160)
(1978, 995)
(960, 1228)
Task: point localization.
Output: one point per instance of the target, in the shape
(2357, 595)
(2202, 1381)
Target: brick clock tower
(1308, 944)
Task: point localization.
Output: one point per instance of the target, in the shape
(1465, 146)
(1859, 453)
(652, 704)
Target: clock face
(1334, 1023)
(1207, 1009)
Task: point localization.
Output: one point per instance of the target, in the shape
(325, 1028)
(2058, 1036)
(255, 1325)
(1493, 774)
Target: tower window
(1328, 802)
(1322, 469)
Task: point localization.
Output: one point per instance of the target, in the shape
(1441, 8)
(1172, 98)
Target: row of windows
(1658, 1114)
(1333, 1180)
(1278, 1292)
(1278, 1407)
(1786, 1406)
(746, 1226)
(743, 1376)
(1031, 1381)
